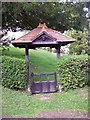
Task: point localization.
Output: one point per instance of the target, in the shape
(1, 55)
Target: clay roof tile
(29, 37)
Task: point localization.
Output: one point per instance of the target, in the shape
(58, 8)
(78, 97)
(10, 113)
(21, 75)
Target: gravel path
(62, 114)
(55, 114)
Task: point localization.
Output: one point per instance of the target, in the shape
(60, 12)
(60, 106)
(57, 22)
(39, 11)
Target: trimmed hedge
(13, 72)
(73, 72)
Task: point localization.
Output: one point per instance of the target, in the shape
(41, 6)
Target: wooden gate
(44, 83)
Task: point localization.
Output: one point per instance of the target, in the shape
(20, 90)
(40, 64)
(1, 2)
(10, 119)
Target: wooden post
(28, 69)
(58, 51)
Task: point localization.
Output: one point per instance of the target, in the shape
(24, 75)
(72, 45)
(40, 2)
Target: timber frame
(42, 36)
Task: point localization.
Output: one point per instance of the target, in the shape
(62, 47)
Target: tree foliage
(80, 46)
(56, 15)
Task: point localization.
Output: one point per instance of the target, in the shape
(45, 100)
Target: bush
(73, 71)
(13, 72)
(80, 46)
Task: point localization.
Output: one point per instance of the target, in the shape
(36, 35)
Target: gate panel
(44, 86)
(36, 87)
(52, 86)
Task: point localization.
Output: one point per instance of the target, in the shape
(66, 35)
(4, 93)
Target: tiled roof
(29, 37)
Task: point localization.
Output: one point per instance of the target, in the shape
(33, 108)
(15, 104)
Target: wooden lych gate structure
(42, 36)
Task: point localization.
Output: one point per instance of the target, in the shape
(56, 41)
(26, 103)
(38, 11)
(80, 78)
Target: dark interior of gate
(44, 83)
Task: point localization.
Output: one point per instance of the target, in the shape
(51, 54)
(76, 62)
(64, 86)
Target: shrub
(74, 72)
(13, 72)
(80, 46)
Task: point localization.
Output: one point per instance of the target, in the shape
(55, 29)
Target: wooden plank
(58, 51)
(55, 78)
(40, 74)
(27, 67)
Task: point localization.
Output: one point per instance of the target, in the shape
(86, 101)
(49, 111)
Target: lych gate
(42, 36)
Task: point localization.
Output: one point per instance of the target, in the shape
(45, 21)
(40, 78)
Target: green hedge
(13, 72)
(73, 72)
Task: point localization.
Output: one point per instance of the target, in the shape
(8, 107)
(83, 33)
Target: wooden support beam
(58, 51)
(27, 69)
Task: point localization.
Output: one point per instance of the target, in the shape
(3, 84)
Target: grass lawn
(41, 60)
(22, 104)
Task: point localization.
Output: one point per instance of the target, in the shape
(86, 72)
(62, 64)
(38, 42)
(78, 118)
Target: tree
(81, 44)
(56, 15)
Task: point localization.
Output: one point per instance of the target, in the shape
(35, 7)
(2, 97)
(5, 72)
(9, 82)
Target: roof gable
(44, 38)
